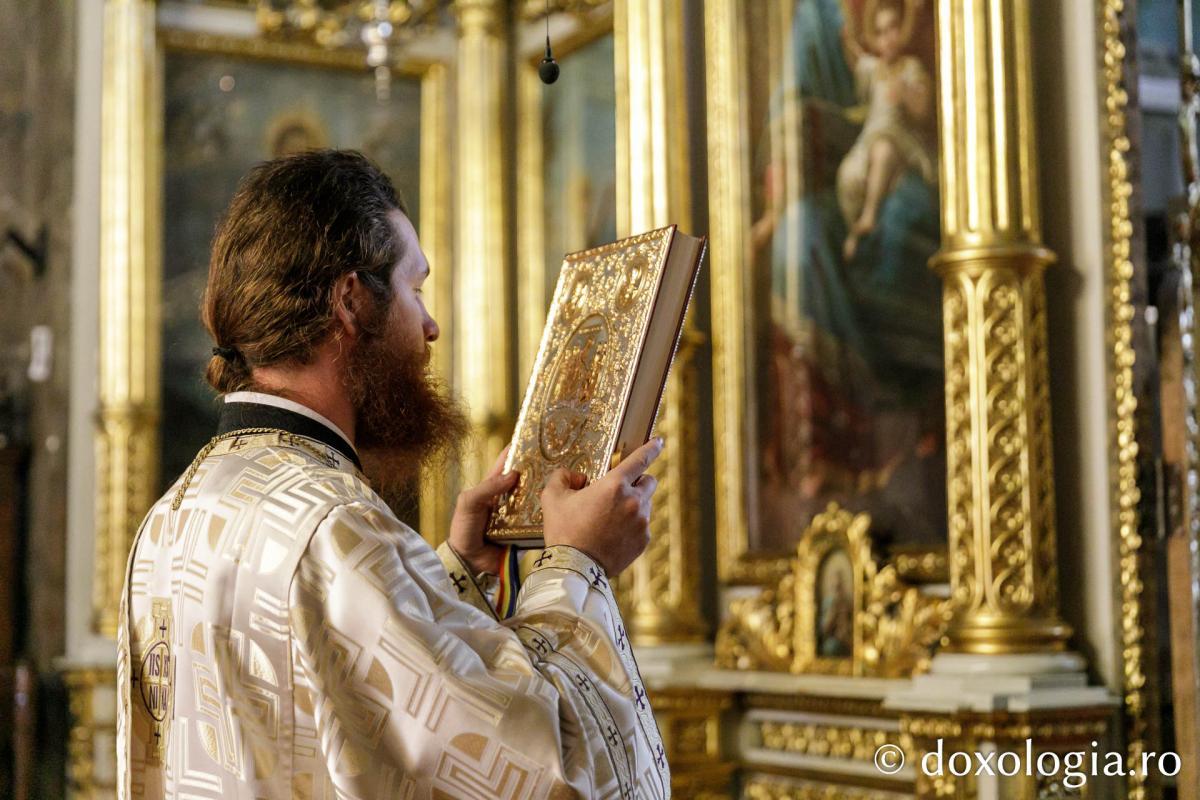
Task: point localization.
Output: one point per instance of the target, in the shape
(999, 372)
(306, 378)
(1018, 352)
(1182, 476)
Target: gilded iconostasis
(930, 482)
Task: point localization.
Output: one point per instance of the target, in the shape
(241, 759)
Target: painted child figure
(898, 92)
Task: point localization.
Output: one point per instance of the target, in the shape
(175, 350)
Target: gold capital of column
(1003, 566)
(480, 16)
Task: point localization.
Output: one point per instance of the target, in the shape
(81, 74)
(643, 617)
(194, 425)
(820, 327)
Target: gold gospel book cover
(601, 367)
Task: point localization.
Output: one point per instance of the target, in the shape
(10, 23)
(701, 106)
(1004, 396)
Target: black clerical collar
(240, 415)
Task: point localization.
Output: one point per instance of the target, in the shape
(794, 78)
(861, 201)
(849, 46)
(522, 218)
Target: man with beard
(283, 634)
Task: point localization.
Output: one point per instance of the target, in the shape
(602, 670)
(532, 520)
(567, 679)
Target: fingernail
(661, 441)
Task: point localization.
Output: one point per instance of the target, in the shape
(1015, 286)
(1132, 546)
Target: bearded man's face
(404, 414)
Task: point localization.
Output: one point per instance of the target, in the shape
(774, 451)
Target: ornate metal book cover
(576, 405)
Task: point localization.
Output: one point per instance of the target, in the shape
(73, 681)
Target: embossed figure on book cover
(586, 364)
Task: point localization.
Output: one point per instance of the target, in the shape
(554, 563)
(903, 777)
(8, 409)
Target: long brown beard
(404, 415)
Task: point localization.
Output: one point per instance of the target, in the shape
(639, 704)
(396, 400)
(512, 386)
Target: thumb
(638, 461)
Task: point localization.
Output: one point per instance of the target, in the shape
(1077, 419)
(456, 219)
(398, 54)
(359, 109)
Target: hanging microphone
(548, 69)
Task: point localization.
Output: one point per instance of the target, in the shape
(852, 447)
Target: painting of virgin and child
(846, 217)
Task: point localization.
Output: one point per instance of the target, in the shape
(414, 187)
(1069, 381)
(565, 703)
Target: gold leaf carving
(897, 625)
(851, 743)
(901, 626)
(757, 634)
(1122, 400)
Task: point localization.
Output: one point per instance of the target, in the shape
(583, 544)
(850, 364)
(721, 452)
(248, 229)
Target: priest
(283, 634)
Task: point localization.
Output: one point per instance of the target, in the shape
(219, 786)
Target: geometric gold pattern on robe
(321, 649)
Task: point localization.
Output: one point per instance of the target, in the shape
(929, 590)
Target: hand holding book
(608, 520)
(471, 513)
(600, 371)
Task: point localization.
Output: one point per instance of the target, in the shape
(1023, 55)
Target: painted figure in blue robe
(854, 361)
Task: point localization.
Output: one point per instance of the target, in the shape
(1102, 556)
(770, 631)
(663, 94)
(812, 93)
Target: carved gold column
(130, 285)
(483, 335)
(1000, 476)
(652, 191)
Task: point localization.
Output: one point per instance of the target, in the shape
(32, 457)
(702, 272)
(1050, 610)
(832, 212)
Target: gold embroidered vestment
(284, 635)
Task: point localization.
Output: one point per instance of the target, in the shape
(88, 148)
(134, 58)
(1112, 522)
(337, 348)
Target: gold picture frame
(735, 304)
(1124, 494)
(829, 613)
(127, 427)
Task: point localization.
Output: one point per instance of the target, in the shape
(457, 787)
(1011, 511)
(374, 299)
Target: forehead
(412, 262)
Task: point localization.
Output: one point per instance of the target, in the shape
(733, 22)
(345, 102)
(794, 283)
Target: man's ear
(349, 296)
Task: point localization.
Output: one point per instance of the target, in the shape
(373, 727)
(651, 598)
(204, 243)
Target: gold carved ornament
(897, 626)
(1122, 400)
(757, 633)
(1000, 489)
(836, 530)
(1048, 730)
(848, 742)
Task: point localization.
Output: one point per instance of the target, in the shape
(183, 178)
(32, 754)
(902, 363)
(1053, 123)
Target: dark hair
(294, 227)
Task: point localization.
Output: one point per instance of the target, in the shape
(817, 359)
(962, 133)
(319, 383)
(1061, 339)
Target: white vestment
(284, 635)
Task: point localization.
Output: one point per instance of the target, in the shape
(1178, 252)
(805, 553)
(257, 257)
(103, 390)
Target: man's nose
(432, 331)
